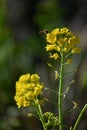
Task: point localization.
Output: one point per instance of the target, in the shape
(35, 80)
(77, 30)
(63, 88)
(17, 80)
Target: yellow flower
(69, 61)
(24, 78)
(28, 87)
(55, 31)
(64, 30)
(55, 56)
(61, 40)
(73, 40)
(65, 49)
(35, 78)
(21, 101)
(76, 50)
(38, 89)
(50, 47)
(51, 38)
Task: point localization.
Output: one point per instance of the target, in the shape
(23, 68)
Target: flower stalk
(60, 94)
(39, 111)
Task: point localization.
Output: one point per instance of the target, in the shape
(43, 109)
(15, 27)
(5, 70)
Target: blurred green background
(22, 51)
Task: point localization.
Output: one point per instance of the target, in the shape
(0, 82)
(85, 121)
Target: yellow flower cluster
(61, 40)
(28, 88)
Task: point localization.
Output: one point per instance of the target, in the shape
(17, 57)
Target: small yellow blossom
(24, 78)
(55, 56)
(58, 48)
(55, 31)
(64, 30)
(51, 38)
(65, 49)
(76, 50)
(73, 40)
(28, 87)
(50, 47)
(69, 61)
(35, 78)
(61, 42)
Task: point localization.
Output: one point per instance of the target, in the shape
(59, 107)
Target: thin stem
(60, 94)
(39, 110)
(79, 117)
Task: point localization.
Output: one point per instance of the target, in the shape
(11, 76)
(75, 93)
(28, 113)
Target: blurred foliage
(18, 57)
(48, 14)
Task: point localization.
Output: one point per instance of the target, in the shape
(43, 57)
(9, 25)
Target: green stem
(60, 94)
(39, 110)
(79, 117)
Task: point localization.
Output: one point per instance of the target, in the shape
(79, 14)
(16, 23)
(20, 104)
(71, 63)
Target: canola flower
(28, 88)
(61, 40)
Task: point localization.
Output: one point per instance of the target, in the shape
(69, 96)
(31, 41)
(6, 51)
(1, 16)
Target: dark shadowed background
(22, 51)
